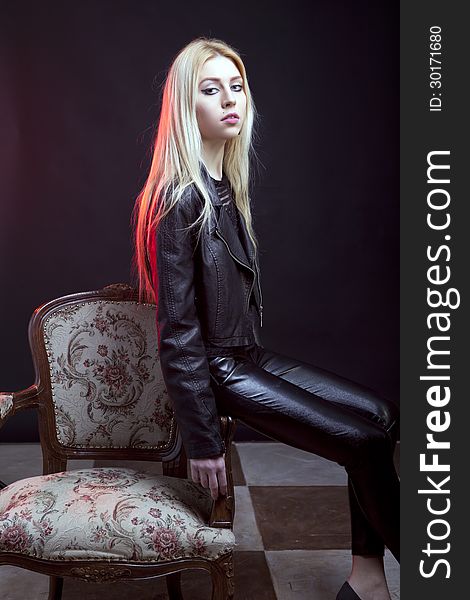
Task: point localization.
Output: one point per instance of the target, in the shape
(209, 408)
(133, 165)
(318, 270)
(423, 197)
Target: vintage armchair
(100, 395)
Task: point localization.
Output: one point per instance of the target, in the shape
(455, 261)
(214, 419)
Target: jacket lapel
(242, 248)
(228, 232)
(239, 247)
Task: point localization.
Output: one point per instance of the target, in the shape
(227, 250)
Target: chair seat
(109, 513)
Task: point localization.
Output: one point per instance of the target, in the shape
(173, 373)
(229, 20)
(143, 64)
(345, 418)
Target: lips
(231, 115)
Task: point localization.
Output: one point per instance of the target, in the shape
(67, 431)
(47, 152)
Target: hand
(210, 473)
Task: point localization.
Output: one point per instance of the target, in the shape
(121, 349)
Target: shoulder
(191, 201)
(185, 212)
(188, 204)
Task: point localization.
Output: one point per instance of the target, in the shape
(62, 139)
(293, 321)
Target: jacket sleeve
(183, 359)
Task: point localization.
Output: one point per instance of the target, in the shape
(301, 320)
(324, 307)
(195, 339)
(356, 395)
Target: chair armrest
(223, 508)
(12, 402)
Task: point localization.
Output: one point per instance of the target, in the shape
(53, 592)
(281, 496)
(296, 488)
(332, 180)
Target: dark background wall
(80, 86)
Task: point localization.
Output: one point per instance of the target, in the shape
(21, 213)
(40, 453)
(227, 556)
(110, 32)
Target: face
(220, 92)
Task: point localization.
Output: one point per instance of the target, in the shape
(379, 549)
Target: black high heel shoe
(347, 593)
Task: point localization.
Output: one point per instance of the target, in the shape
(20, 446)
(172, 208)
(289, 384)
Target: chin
(233, 133)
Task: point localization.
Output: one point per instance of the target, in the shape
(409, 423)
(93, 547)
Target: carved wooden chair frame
(56, 455)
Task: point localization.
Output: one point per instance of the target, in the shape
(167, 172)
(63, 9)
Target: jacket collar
(216, 201)
(241, 247)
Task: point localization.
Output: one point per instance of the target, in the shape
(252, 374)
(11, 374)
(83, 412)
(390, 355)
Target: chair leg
(55, 587)
(222, 578)
(173, 585)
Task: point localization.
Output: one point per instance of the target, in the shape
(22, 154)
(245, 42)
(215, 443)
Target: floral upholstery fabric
(107, 385)
(111, 514)
(6, 405)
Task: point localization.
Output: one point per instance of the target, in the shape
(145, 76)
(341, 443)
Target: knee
(389, 415)
(373, 446)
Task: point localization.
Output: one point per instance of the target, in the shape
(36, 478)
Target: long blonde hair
(177, 152)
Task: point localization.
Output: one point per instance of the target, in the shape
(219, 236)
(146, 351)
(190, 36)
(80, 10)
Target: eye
(207, 90)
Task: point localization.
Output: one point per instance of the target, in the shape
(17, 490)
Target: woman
(196, 257)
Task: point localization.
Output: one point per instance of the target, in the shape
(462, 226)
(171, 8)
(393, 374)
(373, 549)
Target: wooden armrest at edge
(12, 402)
(223, 508)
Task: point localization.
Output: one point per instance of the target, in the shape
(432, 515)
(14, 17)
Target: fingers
(203, 480)
(210, 473)
(213, 484)
(194, 471)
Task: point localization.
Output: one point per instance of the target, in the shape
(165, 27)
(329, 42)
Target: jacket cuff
(205, 450)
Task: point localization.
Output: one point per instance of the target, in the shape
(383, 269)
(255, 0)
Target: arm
(11, 403)
(183, 358)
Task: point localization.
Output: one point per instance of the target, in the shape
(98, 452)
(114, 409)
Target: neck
(213, 156)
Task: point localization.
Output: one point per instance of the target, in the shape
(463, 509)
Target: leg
(320, 412)
(365, 540)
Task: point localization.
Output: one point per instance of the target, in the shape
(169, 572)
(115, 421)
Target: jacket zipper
(240, 262)
(248, 267)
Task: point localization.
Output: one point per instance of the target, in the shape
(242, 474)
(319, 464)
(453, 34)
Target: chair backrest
(101, 390)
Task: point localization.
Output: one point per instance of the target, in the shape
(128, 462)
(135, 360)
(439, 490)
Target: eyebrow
(217, 78)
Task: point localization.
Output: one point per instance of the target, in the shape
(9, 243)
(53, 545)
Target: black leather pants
(318, 411)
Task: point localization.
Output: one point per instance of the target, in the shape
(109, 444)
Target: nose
(229, 99)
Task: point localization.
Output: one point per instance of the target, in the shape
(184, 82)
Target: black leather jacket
(202, 299)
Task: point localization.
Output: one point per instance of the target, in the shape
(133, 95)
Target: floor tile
(20, 584)
(273, 463)
(19, 461)
(319, 574)
(246, 530)
(302, 517)
(252, 579)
